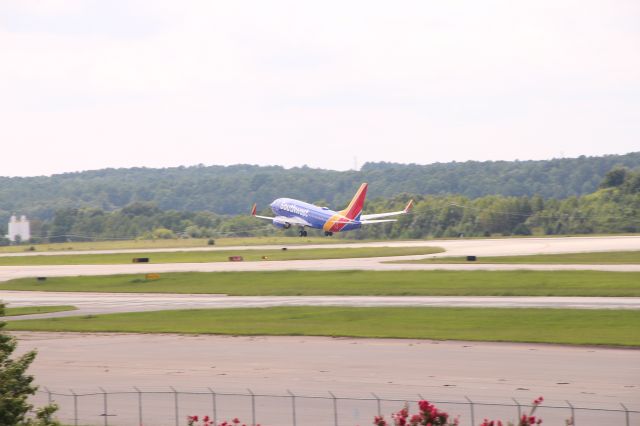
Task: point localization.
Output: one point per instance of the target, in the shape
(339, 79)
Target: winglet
(409, 206)
(254, 209)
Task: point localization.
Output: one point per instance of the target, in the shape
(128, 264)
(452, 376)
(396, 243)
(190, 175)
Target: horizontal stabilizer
(367, 222)
(253, 213)
(408, 207)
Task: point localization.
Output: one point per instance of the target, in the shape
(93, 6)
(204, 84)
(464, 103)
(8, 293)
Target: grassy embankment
(572, 326)
(217, 256)
(374, 283)
(174, 243)
(593, 258)
(31, 310)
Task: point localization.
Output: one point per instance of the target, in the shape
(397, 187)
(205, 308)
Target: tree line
(230, 190)
(613, 208)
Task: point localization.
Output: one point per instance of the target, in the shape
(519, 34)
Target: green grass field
(601, 258)
(217, 256)
(30, 310)
(174, 243)
(575, 327)
(375, 283)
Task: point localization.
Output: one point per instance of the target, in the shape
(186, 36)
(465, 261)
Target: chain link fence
(170, 407)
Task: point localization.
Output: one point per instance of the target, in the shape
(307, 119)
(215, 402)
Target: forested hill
(232, 189)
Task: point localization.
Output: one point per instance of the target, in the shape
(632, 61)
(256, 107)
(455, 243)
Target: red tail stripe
(355, 207)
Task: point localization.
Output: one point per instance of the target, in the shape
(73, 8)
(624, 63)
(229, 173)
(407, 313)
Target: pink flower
(415, 419)
(400, 418)
(379, 421)
(424, 405)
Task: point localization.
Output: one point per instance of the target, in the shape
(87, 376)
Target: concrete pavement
(390, 368)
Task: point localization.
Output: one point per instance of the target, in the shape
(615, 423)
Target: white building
(20, 228)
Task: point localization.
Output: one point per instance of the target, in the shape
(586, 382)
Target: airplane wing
(366, 217)
(291, 220)
(282, 219)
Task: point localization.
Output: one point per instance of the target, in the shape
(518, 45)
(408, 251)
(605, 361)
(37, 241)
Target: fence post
(175, 401)
(293, 406)
(105, 407)
(519, 409)
(626, 413)
(139, 406)
(335, 408)
(49, 400)
(377, 403)
(253, 407)
(213, 405)
(75, 407)
(473, 417)
(573, 411)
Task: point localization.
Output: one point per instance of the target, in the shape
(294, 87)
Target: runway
(368, 264)
(105, 303)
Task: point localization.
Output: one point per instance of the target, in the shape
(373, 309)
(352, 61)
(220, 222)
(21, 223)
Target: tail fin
(254, 209)
(355, 206)
(409, 207)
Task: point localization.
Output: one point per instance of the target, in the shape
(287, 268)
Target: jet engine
(279, 223)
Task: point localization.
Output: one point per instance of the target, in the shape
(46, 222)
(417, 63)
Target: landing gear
(302, 232)
(328, 234)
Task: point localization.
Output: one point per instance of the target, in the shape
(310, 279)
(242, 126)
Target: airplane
(289, 212)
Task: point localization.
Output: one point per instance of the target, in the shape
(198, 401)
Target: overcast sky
(119, 83)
